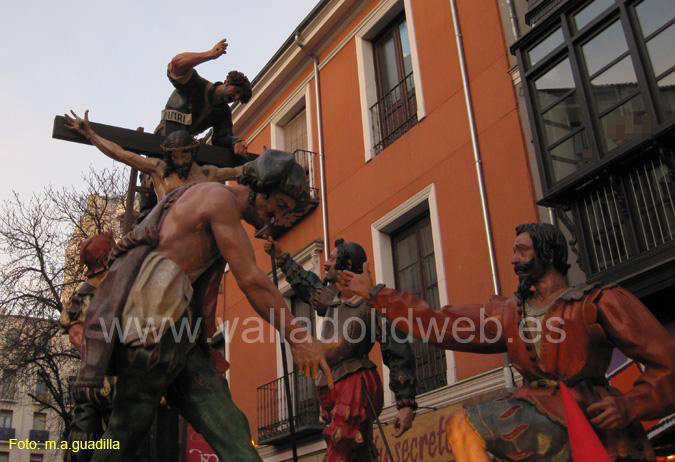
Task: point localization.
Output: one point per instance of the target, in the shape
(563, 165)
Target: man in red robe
(553, 334)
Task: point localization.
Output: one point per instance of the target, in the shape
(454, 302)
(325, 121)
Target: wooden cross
(147, 144)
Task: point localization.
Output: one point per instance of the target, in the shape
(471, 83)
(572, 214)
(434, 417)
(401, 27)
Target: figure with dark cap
(178, 167)
(554, 335)
(152, 314)
(348, 321)
(197, 105)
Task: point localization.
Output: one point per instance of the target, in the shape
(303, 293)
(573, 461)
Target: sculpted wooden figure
(553, 334)
(162, 284)
(349, 324)
(197, 105)
(178, 167)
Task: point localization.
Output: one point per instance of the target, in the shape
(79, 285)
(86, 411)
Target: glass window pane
(562, 119)
(426, 240)
(386, 53)
(5, 419)
(406, 251)
(590, 12)
(662, 51)
(569, 156)
(628, 122)
(667, 87)
(554, 84)
(405, 48)
(604, 47)
(615, 84)
(546, 46)
(653, 14)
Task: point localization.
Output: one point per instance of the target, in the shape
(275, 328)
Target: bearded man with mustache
(554, 334)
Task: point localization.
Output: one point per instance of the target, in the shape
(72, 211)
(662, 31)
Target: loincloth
(159, 297)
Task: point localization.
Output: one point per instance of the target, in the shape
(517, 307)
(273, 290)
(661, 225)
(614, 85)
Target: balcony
(626, 220)
(7, 433)
(394, 114)
(273, 420)
(306, 160)
(39, 436)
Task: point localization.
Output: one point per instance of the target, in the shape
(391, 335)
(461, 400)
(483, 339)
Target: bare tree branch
(40, 237)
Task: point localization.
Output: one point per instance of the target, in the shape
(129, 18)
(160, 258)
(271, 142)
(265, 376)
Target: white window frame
(381, 231)
(290, 108)
(384, 13)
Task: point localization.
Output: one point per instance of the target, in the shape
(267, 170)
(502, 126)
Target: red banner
(198, 450)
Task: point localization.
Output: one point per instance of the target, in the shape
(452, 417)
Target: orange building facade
(389, 116)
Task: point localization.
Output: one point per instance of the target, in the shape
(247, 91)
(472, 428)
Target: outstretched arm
(223, 174)
(183, 62)
(107, 147)
(234, 245)
(471, 328)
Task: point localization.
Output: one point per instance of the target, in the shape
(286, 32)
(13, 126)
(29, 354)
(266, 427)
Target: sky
(111, 58)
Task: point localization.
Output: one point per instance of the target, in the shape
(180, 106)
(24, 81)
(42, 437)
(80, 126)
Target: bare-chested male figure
(178, 167)
(160, 275)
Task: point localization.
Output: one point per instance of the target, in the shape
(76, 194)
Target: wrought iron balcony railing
(273, 420)
(629, 214)
(306, 159)
(39, 436)
(394, 114)
(7, 433)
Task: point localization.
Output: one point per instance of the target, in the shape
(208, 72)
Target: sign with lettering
(426, 441)
(198, 450)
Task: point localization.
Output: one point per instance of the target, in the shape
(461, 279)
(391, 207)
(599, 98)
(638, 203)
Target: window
(41, 389)
(36, 458)
(599, 81)
(657, 23)
(39, 421)
(291, 131)
(396, 109)
(415, 272)
(5, 419)
(295, 132)
(7, 389)
(295, 138)
(4, 456)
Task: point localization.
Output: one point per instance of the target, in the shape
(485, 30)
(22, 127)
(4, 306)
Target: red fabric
(348, 413)
(585, 444)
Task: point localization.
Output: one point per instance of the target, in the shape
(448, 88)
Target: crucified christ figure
(178, 167)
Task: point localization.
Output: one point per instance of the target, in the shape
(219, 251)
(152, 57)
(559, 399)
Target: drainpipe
(319, 126)
(513, 18)
(508, 376)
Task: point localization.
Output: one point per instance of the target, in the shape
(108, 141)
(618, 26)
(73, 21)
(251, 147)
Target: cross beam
(147, 143)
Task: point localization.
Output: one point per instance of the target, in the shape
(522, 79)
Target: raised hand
(219, 49)
(272, 246)
(241, 149)
(79, 125)
(359, 284)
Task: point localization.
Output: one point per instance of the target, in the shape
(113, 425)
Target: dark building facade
(596, 85)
